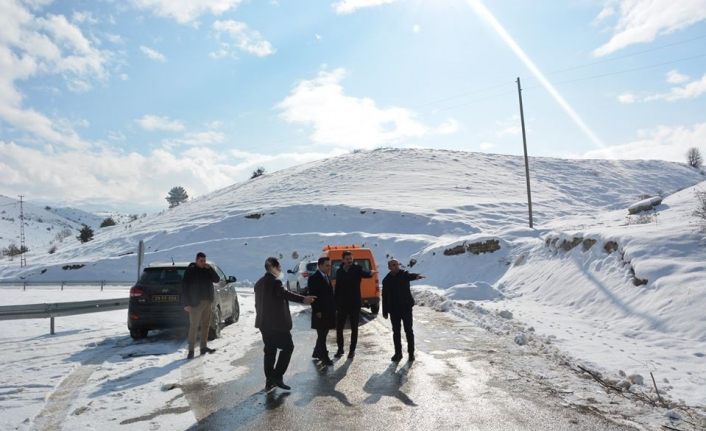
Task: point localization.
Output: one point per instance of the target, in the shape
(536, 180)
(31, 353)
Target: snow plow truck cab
(369, 287)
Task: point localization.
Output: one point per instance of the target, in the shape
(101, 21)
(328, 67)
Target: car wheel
(299, 289)
(375, 309)
(236, 313)
(138, 334)
(214, 329)
(288, 288)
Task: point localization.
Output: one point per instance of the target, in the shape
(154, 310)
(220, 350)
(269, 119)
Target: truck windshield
(364, 263)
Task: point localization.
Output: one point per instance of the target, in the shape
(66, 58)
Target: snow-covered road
(469, 374)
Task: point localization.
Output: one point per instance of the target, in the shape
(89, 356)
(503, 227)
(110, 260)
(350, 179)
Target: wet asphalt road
(452, 385)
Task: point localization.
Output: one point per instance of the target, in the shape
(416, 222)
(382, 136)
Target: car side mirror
(232, 279)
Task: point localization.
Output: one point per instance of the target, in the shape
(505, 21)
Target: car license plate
(165, 298)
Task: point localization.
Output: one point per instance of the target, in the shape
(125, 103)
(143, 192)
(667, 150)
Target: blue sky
(109, 104)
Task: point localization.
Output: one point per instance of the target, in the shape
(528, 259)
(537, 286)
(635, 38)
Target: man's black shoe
(190, 355)
(326, 361)
(205, 350)
(410, 357)
(280, 384)
(397, 357)
(351, 355)
(269, 385)
(338, 354)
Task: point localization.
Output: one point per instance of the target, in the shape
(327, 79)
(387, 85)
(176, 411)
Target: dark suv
(155, 301)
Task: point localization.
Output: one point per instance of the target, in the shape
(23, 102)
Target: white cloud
(196, 139)
(674, 77)
(485, 146)
(187, 11)
(84, 17)
(691, 90)
(338, 119)
(416, 28)
(663, 143)
(627, 98)
(642, 21)
(343, 7)
(153, 54)
(121, 178)
(508, 127)
(242, 38)
(607, 11)
(156, 122)
(35, 45)
(128, 179)
(448, 127)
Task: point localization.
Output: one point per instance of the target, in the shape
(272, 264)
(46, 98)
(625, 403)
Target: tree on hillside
(257, 173)
(85, 234)
(693, 158)
(176, 196)
(12, 250)
(108, 222)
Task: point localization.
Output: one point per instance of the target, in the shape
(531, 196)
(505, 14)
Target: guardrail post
(102, 283)
(62, 285)
(24, 286)
(51, 325)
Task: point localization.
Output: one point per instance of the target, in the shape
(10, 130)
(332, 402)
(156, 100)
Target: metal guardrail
(43, 311)
(62, 284)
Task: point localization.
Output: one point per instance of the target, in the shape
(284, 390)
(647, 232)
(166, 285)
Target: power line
(634, 69)
(634, 54)
(23, 247)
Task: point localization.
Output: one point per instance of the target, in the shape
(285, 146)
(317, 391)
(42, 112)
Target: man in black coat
(397, 302)
(323, 310)
(197, 297)
(348, 300)
(273, 319)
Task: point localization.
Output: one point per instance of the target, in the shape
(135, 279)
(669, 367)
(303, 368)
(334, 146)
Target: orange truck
(369, 287)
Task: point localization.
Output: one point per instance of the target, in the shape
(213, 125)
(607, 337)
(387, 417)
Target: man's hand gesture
(309, 299)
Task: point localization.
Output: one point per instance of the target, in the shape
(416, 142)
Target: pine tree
(257, 173)
(176, 196)
(85, 234)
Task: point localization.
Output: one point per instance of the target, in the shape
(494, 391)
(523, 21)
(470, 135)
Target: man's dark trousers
(320, 350)
(274, 340)
(345, 314)
(404, 317)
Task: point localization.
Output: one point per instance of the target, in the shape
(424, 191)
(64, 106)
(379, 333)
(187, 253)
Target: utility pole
(524, 145)
(23, 247)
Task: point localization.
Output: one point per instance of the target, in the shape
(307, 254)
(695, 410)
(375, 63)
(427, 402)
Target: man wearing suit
(273, 319)
(323, 310)
(348, 300)
(397, 302)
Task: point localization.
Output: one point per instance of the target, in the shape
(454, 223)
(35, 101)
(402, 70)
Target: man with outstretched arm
(274, 321)
(197, 296)
(348, 300)
(397, 302)
(323, 310)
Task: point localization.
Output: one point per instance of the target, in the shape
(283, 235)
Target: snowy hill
(621, 292)
(46, 226)
(401, 200)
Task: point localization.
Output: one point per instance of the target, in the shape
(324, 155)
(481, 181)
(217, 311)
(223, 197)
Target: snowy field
(94, 370)
(622, 295)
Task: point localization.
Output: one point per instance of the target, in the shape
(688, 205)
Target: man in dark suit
(348, 300)
(273, 319)
(397, 302)
(323, 310)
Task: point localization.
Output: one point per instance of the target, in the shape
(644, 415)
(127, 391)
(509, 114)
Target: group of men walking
(332, 308)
